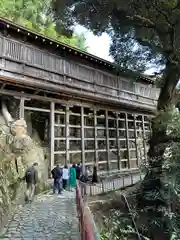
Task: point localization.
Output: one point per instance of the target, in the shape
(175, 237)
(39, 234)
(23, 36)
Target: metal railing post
(131, 179)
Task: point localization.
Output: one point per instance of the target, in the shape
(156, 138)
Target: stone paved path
(49, 217)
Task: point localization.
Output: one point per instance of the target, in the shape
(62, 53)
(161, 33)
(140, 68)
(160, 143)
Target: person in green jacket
(72, 177)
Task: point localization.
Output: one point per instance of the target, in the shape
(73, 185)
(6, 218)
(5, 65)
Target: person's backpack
(57, 173)
(29, 176)
(83, 178)
(78, 171)
(60, 172)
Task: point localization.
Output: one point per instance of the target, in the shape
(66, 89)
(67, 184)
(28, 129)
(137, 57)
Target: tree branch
(137, 20)
(161, 13)
(177, 6)
(170, 24)
(144, 22)
(148, 44)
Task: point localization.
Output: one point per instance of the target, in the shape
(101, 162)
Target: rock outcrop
(17, 151)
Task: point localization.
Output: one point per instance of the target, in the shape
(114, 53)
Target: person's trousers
(83, 189)
(30, 190)
(57, 185)
(65, 183)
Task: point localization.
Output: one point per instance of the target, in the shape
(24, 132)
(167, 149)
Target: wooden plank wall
(28, 60)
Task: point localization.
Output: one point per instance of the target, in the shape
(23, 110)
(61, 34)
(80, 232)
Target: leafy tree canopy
(36, 16)
(148, 30)
(143, 32)
(147, 25)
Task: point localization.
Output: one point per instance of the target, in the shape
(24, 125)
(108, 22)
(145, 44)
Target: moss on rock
(16, 154)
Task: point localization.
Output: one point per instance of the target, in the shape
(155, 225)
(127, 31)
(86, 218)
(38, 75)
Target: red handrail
(85, 218)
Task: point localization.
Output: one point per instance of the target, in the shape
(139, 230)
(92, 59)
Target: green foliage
(144, 33)
(36, 16)
(119, 227)
(163, 119)
(172, 174)
(115, 228)
(129, 54)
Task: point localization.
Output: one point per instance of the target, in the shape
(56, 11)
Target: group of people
(64, 177)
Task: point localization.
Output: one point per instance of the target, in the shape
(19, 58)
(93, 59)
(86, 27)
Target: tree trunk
(153, 193)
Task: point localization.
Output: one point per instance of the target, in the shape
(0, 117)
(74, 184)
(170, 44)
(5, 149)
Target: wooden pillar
(22, 99)
(52, 134)
(22, 107)
(118, 144)
(58, 130)
(136, 142)
(95, 137)
(144, 141)
(127, 139)
(46, 130)
(67, 136)
(82, 139)
(107, 140)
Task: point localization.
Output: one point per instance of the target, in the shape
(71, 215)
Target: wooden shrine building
(93, 112)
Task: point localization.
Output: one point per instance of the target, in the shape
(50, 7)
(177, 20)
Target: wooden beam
(95, 137)
(136, 142)
(91, 96)
(82, 139)
(67, 136)
(28, 96)
(144, 139)
(36, 109)
(107, 140)
(22, 99)
(17, 95)
(37, 91)
(127, 139)
(76, 102)
(52, 134)
(58, 129)
(46, 130)
(118, 143)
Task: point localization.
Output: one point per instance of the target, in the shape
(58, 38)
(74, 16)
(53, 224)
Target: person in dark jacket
(83, 183)
(94, 176)
(57, 176)
(78, 171)
(31, 178)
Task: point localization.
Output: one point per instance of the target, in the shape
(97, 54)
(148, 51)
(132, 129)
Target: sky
(99, 46)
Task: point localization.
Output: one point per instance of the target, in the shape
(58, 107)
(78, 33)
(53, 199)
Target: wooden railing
(42, 64)
(108, 185)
